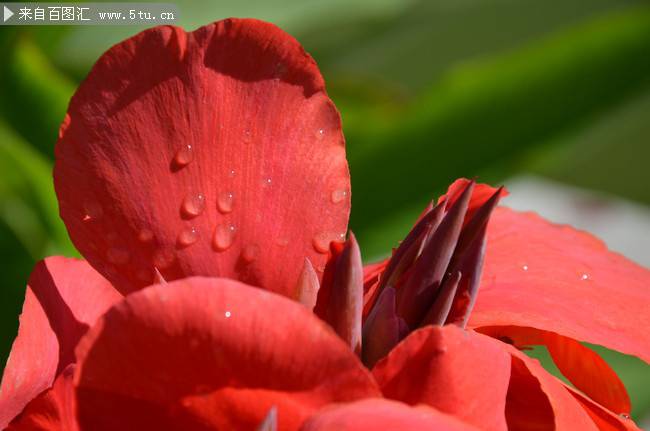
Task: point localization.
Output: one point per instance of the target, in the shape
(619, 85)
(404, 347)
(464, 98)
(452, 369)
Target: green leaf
(34, 94)
(28, 205)
(491, 112)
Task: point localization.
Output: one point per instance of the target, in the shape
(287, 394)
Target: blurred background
(549, 98)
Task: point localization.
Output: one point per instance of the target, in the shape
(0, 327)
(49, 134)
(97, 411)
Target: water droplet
(625, 416)
(250, 252)
(163, 258)
(283, 242)
(248, 137)
(584, 277)
(93, 210)
(227, 314)
(193, 205)
(321, 242)
(225, 202)
(525, 267)
(145, 235)
(267, 182)
(224, 235)
(339, 196)
(188, 236)
(184, 156)
(320, 133)
(117, 255)
(232, 173)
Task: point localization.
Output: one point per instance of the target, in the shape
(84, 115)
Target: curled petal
(537, 400)
(215, 153)
(554, 278)
(63, 298)
(588, 372)
(205, 353)
(381, 414)
(461, 373)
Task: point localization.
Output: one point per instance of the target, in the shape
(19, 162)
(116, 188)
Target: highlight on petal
(557, 279)
(458, 372)
(206, 353)
(381, 414)
(52, 410)
(214, 153)
(64, 297)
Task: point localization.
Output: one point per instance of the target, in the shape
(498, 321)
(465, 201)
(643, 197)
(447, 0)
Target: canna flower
(203, 178)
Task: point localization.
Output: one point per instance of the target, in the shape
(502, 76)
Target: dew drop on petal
(193, 204)
(227, 314)
(321, 242)
(225, 202)
(163, 258)
(250, 252)
(525, 267)
(320, 133)
(224, 236)
(232, 173)
(93, 210)
(339, 196)
(624, 416)
(117, 255)
(145, 235)
(266, 182)
(584, 277)
(188, 236)
(184, 156)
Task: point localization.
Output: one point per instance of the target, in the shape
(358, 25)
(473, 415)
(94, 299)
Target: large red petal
(381, 414)
(205, 353)
(266, 183)
(557, 279)
(52, 410)
(63, 298)
(458, 372)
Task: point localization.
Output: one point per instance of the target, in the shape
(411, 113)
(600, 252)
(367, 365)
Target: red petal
(537, 400)
(52, 410)
(63, 298)
(588, 372)
(201, 352)
(461, 373)
(603, 418)
(555, 278)
(381, 414)
(267, 185)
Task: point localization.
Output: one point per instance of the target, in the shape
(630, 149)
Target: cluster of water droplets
(194, 205)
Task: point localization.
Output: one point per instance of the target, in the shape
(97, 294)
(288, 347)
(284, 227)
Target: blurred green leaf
(34, 94)
(28, 204)
(490, 112)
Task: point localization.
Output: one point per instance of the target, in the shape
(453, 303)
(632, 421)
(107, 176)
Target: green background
(428, 90)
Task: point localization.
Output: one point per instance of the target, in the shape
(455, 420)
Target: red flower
(215, 160)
